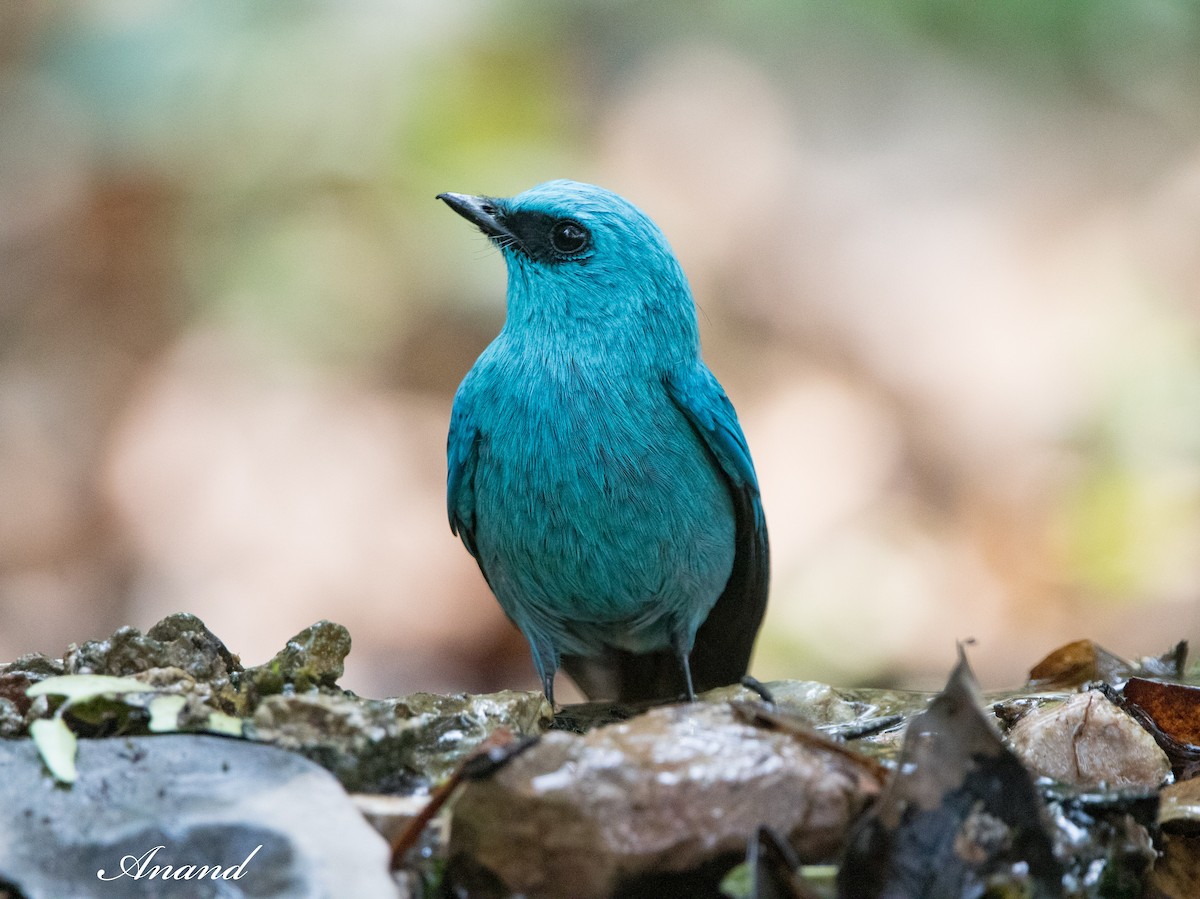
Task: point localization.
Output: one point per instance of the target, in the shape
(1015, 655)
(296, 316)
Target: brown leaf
(1079, 663)
(1174, 708)
(1171, 712)
(960, 812)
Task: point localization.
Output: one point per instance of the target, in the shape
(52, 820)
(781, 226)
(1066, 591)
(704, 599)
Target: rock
(824, 706)
(15, 678)
(34, 666)
(282, 822)
(1180, 808)
(870, 720)
(1088, 742)
(392, 745)
(315, 657)
(293, 701)
(452, 726)
(668, 791)
(364, 743)
(178, 641)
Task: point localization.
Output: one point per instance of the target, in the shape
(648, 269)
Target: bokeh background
(947, 256)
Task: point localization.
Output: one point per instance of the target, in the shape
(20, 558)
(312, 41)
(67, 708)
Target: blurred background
(947, 257)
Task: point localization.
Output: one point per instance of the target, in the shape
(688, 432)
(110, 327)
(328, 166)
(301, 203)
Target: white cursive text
(141, 866)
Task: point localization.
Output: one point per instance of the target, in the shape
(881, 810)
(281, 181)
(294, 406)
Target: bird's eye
(568, 237)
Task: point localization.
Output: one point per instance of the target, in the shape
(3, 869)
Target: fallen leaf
(961, 816)
(56, 744)
(1171, 713)
(1079, 663)
(164, 712)
(228, 725)
(78, 687)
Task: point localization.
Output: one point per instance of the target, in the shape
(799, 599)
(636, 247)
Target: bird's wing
(702, 399)
(462, 455)
(725, 640)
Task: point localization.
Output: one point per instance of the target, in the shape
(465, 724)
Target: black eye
(568, 237)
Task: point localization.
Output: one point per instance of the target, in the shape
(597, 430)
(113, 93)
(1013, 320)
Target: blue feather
(597, 470)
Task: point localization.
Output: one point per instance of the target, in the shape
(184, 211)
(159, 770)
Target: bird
(597, 471)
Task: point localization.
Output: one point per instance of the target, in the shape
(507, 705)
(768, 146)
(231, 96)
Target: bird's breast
(593, 490)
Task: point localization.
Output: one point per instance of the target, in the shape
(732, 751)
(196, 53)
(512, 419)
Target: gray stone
(1088, 742)
(205, 801)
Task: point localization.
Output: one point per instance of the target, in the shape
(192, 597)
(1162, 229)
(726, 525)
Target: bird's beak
(484, 212)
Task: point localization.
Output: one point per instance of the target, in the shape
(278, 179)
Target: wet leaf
(1174, 708)
(1177, 870)
(961, 816)
(1079, 663)
(56, 744)
(1171, 712)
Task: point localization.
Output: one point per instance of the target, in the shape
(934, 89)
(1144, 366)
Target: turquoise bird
(597, 470)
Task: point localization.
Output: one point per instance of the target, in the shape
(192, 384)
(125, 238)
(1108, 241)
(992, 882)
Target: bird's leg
(682, 654)
(546, 660)
(687, 676)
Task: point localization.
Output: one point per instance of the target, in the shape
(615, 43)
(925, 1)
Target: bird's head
(579, 253)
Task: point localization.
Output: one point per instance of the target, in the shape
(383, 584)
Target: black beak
(484, 212)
